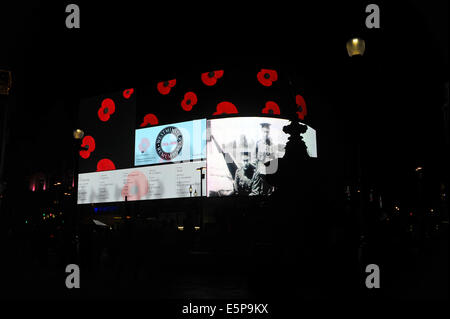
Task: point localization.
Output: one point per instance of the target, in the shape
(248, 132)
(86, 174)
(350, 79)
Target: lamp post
(202, 176)
(356, 48)
(190, 190)
(78, 135)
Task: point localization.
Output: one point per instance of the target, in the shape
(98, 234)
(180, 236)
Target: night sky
(399, 85)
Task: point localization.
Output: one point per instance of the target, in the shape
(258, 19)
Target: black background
(120, 46)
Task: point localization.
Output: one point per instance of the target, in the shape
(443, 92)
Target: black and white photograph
(239, 159)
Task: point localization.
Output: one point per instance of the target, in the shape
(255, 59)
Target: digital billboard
(142, 183)
(170, 143)
(238, 159)
(108, 124)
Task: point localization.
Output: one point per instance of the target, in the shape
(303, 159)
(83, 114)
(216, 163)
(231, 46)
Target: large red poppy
(127, 93)
(190, 99)
(225, 108)
(164, 87)
(271, 108)
(89, 142)
(210, 78)
(301, 104)
(105, 164)
(266, 77)
(136, 186)
(149, 119)
(107, 108)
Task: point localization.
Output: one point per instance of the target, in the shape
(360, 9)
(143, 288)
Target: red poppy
(105, 164)
(165, 86)
(89, 142)
(136, 186)
(149, 119)
(107, 108)
(225, 108)
(271, 108)
(190, 99)
(144, 145)
(300, 101)
(127, 93)
(266, 77)
(210, 78)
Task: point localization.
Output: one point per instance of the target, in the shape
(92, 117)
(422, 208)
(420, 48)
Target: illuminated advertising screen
(238, 159)
(108, 124)
(142, 183)
(170, 143)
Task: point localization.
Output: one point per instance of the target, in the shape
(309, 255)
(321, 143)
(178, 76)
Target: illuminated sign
(170, 143)
(142, 183)
(239, 159)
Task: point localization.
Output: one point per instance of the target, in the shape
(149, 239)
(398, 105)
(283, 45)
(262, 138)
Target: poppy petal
(149, 119)
(105, 164)
(127, 93)
(90, 143)
(164, 87)
(266, 77)
(271, 107)
(218, 74)
(207, 80)
(225, 108)
(190, 99)
(107, 108)
(300, 101)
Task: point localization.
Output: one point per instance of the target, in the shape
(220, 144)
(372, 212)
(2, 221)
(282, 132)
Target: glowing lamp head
(356, 46)
(78, 134)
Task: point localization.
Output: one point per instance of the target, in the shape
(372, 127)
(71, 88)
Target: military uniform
(247, 182)
(265, 152)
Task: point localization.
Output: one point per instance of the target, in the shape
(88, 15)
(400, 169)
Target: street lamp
(190, 190)
(355, 49)
(78, 134)
(356, 46)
